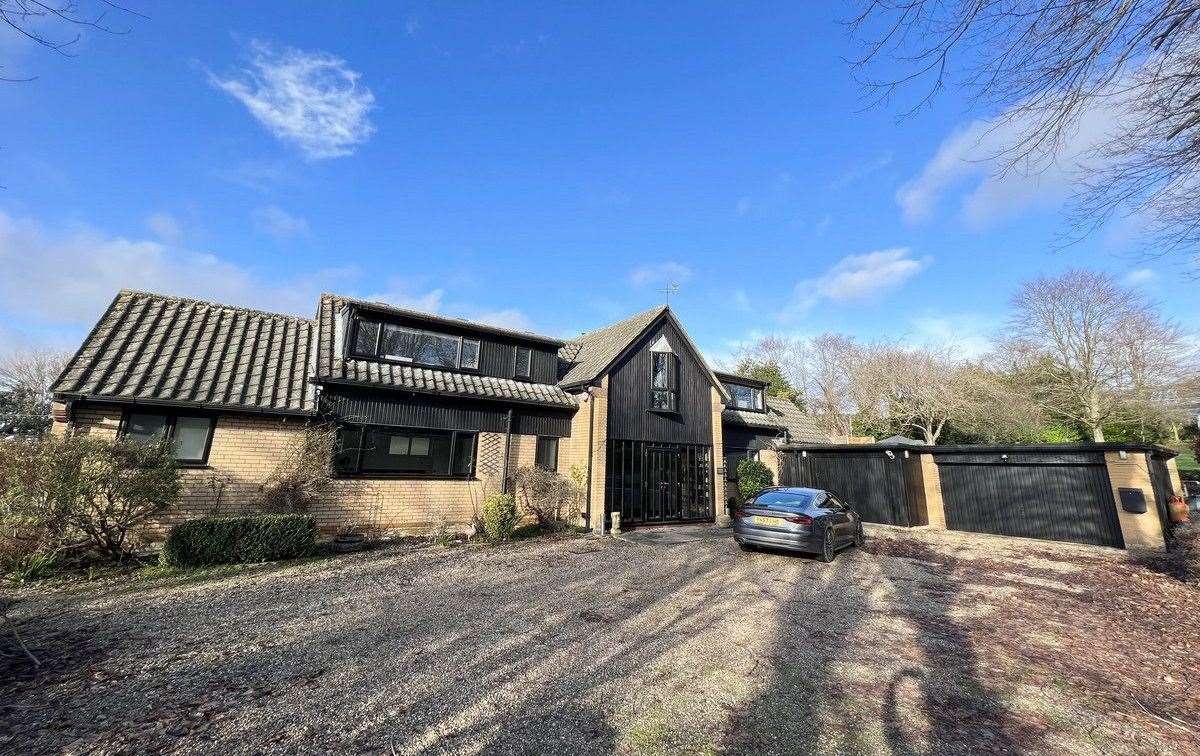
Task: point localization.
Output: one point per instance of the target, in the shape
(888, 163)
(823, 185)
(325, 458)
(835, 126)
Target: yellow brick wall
(1176, 482)
(718, 460)
(246, 448)
(770, 459)
(573, 453)
(931, 486)
(1140, 531)
(599, 435)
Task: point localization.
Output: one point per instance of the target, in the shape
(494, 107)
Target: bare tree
(1045, 65)
(832, 382)
(25, 396)
(1091, 350)
(919, 389)
(57, 25)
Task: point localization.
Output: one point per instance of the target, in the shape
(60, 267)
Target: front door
(663, 490)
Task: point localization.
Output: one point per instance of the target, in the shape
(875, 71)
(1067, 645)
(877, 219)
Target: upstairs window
(522, 361)
(664, 382)
(190, 436)
(392, 342)
(745, 397)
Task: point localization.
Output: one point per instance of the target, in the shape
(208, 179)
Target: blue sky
(546, 166)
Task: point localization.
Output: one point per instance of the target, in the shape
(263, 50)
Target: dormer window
(745, 397)
(388, 341)
(664, 378)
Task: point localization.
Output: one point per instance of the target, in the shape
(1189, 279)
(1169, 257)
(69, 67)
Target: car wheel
(827, 550)
(860, 538)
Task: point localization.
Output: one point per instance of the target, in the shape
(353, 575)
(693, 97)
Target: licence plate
(771, 521)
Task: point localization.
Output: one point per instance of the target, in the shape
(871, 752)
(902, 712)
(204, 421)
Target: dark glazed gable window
(547, 453)
(664, 382)
(404, 452)
(522, 361)
(190, 435)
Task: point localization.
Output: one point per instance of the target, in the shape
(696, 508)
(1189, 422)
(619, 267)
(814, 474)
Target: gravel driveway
(918, 644)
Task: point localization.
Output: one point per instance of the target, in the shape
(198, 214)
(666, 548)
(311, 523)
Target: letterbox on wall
(1133, 500)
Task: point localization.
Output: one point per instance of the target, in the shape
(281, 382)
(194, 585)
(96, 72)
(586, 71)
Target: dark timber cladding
(629, 415)
(400, 409)
(1056, 495)
(882, 485)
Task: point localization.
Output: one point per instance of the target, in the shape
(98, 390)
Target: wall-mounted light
(1123, 454)
(1003, 457)
(890, 454)
(803, 454)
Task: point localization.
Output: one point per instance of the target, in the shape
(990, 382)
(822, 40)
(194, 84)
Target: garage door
(1059, 497)
(878, 484)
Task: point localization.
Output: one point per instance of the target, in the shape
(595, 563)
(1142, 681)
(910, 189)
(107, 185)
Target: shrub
(303, 474)
(500, 516)
(236, 540)
(753, 476)
(63, 494)
(544, 494)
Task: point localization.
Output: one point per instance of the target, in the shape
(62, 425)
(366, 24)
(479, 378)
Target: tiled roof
(780, 414)
(584, 359)
(332, 367)
(154, 348)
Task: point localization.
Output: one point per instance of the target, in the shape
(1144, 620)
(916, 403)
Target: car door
(843, 518)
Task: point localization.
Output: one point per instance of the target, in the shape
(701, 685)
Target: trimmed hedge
(236, 540)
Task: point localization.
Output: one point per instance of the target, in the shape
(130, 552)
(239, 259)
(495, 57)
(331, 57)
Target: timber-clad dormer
(375, 345)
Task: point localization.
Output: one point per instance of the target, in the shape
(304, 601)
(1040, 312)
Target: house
(433, 413)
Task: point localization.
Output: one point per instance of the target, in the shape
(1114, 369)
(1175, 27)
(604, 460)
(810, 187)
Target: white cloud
(971, 156)
(70, 276)
(666, 272)
(400, 292)
(166, 227)
(311, 99)
(1139, 277)
(861, 171)
(509, 318)
(968, 334)
(856, 278)
(275, 221)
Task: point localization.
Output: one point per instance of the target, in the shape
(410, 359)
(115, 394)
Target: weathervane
(671, 288)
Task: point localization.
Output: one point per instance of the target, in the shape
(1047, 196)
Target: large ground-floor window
(405, 452)
(190, 436)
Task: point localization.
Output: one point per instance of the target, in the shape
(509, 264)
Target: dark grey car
(797, 519)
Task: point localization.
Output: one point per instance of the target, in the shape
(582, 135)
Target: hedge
(234, 540)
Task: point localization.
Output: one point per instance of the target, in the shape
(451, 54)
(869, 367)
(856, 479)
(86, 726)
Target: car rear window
(783, 499)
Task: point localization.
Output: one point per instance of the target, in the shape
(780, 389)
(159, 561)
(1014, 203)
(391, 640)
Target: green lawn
(1187, 462)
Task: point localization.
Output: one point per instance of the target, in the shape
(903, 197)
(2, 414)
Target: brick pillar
(598, 432)
(1173, 469)
(770, 459)
(931, 487)
(721, 517)
(1141, 530)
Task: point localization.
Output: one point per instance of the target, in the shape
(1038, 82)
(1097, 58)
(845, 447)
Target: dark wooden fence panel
(1030, 496)
(877, 486)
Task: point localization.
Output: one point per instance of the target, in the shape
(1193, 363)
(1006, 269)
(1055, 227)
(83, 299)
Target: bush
(71, 494)
(237, 540)
(303, 474)
(500, 516)
(545, 494)
(753, 476)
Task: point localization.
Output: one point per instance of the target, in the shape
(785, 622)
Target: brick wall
(718, 460)
(599, 435)
(1140, 531)
(246, 448)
